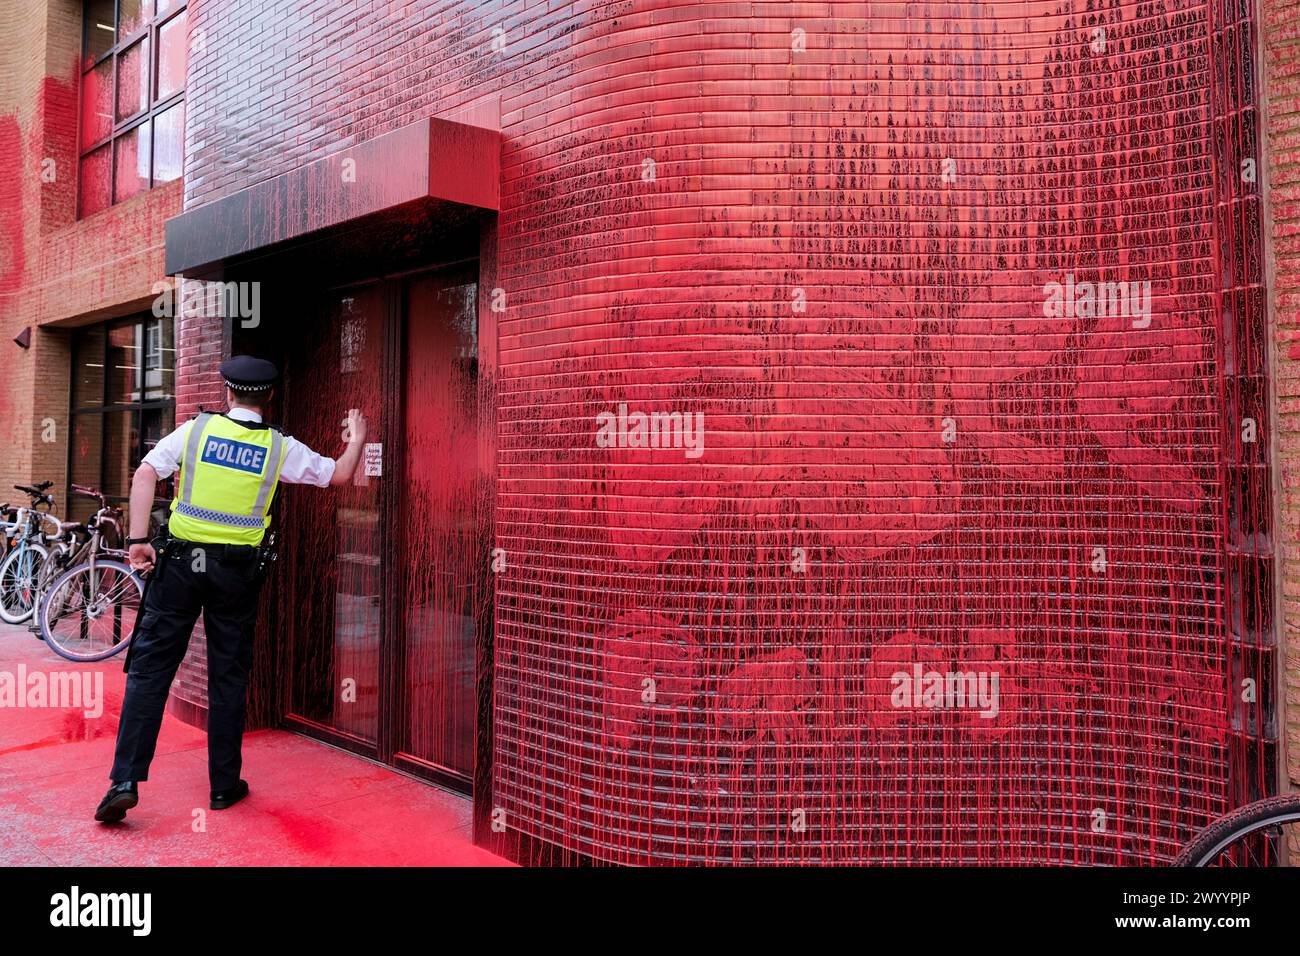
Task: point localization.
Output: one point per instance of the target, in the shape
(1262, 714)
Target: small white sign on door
(374, 458)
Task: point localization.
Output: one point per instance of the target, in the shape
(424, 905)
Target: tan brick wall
(21, 80)
(1280, 23)
(56, 271)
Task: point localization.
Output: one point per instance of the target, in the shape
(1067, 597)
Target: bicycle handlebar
(37, 493)
(92, 493)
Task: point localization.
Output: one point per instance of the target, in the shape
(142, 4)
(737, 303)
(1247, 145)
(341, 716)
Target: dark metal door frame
(392, 641)
(389, 383)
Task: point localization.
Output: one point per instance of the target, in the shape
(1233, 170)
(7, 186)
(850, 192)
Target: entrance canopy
(431, 168)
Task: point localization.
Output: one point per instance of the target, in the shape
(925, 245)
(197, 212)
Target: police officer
(211, 561)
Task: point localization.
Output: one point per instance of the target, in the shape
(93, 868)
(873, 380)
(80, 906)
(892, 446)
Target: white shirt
(302, 466)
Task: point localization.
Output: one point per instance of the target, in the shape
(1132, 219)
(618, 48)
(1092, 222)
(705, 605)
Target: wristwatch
(131, 541)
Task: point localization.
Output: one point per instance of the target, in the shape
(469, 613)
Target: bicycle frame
(28, 524)
(66, 551)
(77, 557)
(28, 547)
(93, 547)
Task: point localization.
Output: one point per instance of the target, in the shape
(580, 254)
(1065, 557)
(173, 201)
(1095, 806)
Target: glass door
(385, 578)
(443, 557)
(335, 538)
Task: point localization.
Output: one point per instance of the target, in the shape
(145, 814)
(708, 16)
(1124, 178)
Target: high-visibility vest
(226, 481)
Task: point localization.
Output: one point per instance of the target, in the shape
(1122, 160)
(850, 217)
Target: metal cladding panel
(873, 391)
(429, 162)
(964, 307)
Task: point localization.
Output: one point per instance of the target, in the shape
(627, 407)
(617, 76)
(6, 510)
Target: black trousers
(189, 578)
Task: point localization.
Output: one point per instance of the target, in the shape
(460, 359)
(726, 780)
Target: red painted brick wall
(679, 181)
(200, 347)
(56, 271)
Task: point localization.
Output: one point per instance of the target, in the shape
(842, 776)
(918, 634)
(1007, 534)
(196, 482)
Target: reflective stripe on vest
(219, 517)
(222, 461)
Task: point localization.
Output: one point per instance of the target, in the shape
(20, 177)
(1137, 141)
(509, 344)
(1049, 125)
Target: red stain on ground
(35, 745)
(56, 769)
(304, 831)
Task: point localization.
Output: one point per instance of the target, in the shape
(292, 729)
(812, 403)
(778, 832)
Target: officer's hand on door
(354, 433)
(142, 557)
(356, 427)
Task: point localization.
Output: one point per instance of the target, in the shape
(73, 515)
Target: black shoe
(120, 798)
(221, 799)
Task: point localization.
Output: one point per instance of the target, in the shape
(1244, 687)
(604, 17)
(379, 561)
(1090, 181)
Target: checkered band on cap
(244, 373)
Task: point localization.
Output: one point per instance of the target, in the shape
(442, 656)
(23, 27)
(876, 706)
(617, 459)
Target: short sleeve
(165, 457)
(302, 466)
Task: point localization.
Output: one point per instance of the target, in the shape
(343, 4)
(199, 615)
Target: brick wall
(764, 168)
(56, 271)
(24, 99)
(201, 343)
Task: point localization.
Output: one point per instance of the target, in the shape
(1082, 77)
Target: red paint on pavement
(309, 805)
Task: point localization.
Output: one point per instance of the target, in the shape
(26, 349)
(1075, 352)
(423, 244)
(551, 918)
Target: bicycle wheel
(56, 562)
(1257, 834)
(18, 577)
(87, 616)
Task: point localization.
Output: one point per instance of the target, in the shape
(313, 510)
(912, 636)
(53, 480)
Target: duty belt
(264, 552)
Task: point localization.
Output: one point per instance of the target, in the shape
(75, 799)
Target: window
(123, 402)
(132, 99)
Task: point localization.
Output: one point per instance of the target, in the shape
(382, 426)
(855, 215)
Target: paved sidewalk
(310, 805)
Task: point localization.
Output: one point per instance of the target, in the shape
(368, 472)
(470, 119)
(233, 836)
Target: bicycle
(1252, 835)
(8, 528)
(64, 548)
(88, 612)
(20, 570)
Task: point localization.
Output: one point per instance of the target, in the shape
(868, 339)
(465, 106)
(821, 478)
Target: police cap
(243, 373)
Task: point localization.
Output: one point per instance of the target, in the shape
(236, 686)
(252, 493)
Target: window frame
(118, 129)
(105, 408)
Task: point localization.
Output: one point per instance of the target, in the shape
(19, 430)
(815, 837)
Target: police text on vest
(229, 453)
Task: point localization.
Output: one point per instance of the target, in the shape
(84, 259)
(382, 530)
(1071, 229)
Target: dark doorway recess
(369, 264)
